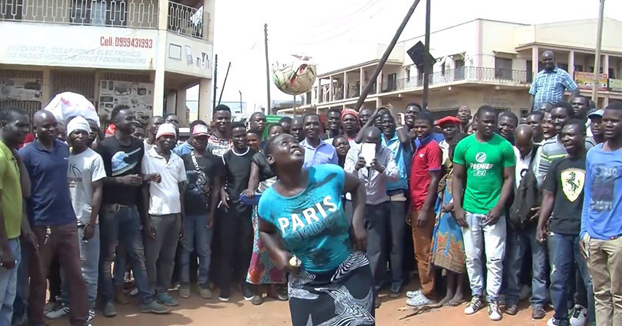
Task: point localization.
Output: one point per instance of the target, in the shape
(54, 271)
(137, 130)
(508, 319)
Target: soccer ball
(295, 75)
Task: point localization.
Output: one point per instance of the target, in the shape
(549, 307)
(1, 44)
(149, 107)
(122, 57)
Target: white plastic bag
(68, 104)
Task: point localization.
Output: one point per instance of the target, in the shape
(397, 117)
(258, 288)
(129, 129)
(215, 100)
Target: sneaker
(204, 291)
(120, 297)
(396, 288)
(184, 291)
(153, 307)
(59, 311)
(224, 295)
(166, 299)
(413, 294)
(494, 312)
(511, 309)
(91, 316)
(578, 316)
(557, 322)
(474, 306)
(247, 291)
(109, 310)
(419, 301)
(537, 312)
(257, 300)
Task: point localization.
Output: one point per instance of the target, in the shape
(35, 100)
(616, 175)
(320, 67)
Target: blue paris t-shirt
(312, 223)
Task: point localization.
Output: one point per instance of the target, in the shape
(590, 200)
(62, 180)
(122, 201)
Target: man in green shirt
(484, 167)
(14, 184)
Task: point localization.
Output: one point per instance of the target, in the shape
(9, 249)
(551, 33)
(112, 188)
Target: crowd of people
(497, 208)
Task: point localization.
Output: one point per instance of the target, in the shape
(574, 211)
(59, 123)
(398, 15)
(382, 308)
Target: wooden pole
(215, 81)
(599, 38)
(426, 57)
(265, 31)
(224, 83)
(385, 56)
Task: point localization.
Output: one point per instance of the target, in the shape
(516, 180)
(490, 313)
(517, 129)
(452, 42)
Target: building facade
(141, 53)
(479, 62)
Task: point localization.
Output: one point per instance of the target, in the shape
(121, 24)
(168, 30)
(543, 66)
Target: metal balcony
(141, 14)
(474, 74)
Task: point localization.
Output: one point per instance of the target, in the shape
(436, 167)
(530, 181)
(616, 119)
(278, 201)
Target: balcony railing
(108, 13)
(477, 74)
(182, 19)
(188, 21)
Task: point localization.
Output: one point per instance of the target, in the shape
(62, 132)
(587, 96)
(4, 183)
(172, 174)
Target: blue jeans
(122, 224)
(566, 252)
(517, 244)
(491, 240)
(196, 236)
(21, 297)
(89, 256)
(8, 284)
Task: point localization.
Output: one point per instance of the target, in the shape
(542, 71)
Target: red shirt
(428, 157)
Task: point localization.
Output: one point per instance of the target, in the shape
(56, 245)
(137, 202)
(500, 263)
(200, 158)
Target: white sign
(20, 89)
(77, 46)
(187, 55)
(137, 96)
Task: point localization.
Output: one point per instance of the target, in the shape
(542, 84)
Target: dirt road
(237, 312)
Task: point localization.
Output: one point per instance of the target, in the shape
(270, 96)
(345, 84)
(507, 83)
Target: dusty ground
(237, 312)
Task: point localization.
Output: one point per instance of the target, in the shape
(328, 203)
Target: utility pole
(599, 38)
(385, 56)
(265, 33)
(241, 109)
(215, 81)
(426, 56)
(224, 83)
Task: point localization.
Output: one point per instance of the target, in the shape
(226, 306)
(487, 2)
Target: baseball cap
(200, 130)
(596, 113)
(447, 120)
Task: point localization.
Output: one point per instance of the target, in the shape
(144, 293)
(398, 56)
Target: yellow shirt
(11, 192)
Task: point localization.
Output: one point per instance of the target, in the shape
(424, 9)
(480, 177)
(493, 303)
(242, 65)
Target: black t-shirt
(566, 178)
(196, 196)
(238, 172)
(121, 160)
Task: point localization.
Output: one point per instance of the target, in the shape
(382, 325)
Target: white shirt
(164, 197)
(84, 169)
(148, 146)
(522, 163)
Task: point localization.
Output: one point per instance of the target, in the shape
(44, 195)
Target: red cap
(349, 111)
(448, 120)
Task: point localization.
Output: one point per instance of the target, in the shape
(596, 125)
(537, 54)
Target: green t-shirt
(11, 192)
(484, 163)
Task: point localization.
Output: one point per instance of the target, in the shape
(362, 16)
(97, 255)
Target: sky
(335, 32)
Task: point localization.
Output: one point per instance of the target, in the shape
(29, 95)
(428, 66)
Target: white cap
(166, 129)
(78, 123)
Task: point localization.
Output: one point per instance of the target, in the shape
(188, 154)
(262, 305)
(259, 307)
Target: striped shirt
(552, 150)
(549, 86)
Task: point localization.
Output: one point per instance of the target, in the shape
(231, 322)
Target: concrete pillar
(205, 100)
(331, 91)
(182, 109)
(346, 86)
(571, 64)
(379, 82)
(209, 7)
(160, 65)
(535, 57)
(46, 87)
(171, 101)
(606, 64)
(361, 80)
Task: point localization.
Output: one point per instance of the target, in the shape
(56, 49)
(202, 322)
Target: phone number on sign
(126, 42)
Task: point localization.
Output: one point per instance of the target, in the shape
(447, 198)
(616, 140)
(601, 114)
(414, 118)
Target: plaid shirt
(549, 86)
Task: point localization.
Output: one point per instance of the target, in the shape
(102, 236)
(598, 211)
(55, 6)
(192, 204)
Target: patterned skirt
(261, 269)
(337, 298)
(448, 248)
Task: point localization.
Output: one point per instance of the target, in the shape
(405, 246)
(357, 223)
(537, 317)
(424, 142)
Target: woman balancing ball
(304, 228)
